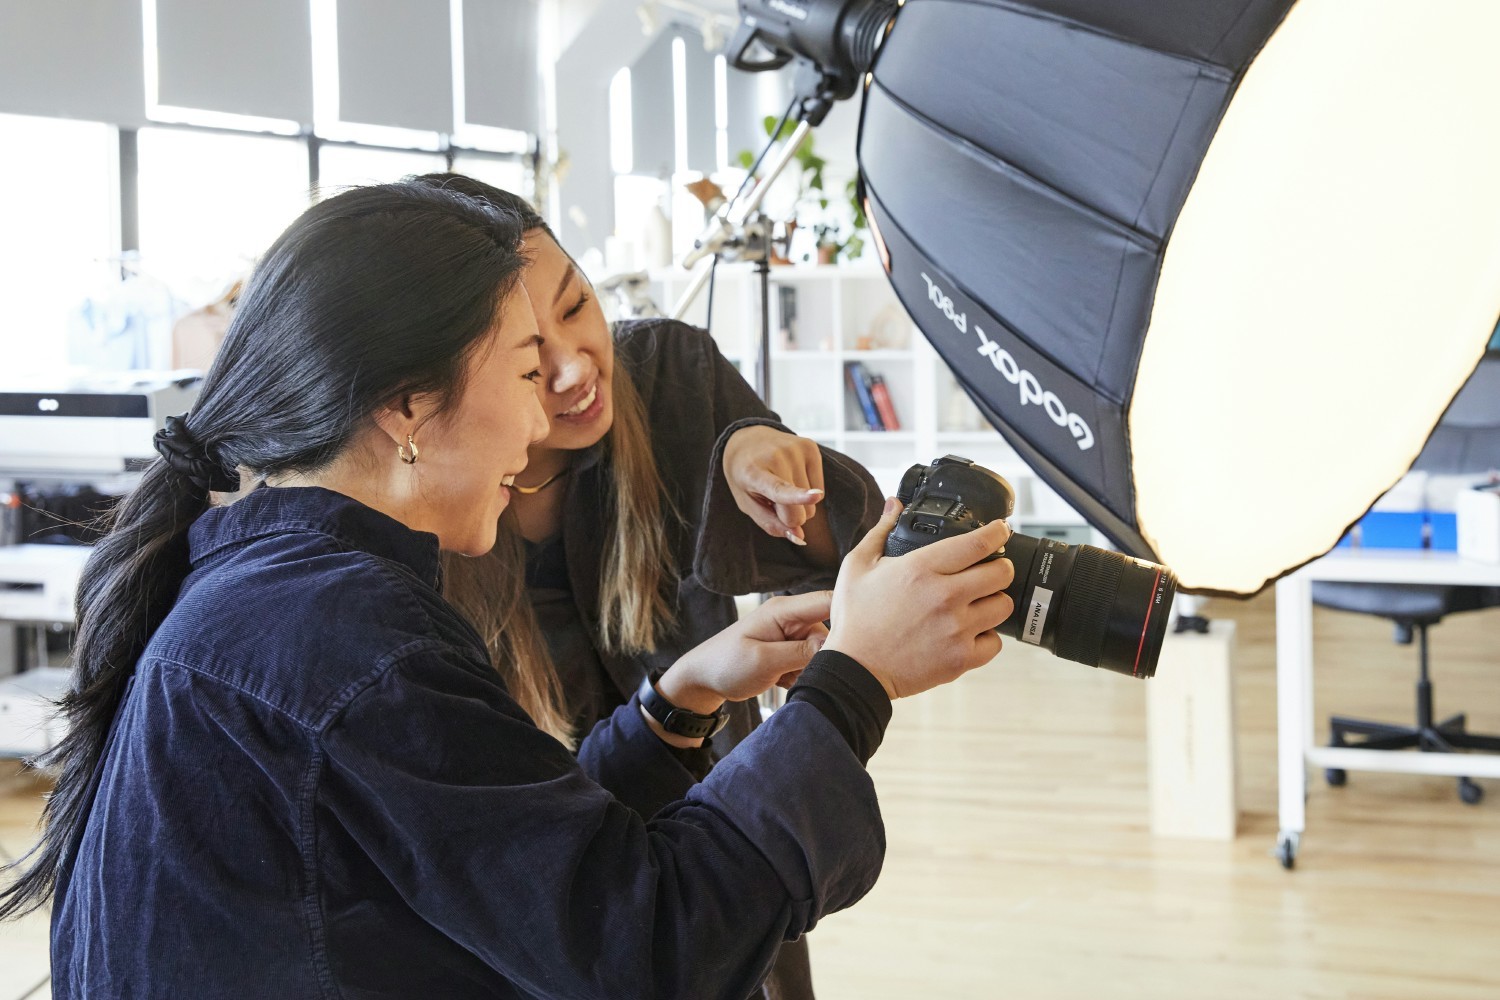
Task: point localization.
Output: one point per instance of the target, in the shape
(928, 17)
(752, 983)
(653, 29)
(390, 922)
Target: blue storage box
(1392, 529)
(1443, 527)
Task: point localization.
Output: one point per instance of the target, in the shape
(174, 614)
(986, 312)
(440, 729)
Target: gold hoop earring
(401, 451)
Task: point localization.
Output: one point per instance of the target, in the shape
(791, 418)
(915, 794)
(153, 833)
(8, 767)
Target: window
(344, 166)
(211, 203)
(58, 232)
(621, 125)
(208, 191)
(505, 174)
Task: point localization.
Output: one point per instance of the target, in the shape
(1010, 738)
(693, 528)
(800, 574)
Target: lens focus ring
(1091, 593)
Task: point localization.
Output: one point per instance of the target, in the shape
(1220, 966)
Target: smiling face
(578, 354)
(472, 451)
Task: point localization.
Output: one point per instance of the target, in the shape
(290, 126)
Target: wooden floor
(1020, 864)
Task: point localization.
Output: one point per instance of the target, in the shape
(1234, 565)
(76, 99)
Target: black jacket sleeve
(690, 388)
(499, 838)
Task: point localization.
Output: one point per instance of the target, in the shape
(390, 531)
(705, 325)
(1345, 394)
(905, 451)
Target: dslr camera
(1078, 602)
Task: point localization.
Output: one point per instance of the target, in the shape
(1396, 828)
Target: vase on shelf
(781, 246)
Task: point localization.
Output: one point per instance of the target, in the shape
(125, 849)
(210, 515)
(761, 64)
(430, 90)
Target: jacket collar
(282, 509)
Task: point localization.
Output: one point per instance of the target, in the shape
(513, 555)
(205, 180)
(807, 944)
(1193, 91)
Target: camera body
(952, 496)
(1081, 603)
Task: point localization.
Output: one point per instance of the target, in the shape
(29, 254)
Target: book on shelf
(883, 405)
(786, 308)
(860, 384)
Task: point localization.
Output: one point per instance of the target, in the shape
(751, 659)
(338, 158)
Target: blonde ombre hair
(636, 578)
(638, 574)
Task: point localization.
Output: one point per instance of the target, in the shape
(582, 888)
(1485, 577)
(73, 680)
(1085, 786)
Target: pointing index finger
(779, 491)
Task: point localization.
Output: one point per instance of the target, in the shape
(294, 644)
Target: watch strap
(679, 721)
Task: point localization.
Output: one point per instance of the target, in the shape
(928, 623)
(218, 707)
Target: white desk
(1296, 742)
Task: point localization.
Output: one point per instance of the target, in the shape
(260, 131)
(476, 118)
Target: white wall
(605, 36)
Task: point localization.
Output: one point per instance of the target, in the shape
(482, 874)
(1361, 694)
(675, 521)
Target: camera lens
(1089, 605)
(1081, 603)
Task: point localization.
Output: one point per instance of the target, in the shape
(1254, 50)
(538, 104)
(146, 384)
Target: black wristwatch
(679, 721)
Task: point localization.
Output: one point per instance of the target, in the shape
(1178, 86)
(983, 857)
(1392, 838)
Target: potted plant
(828, 242)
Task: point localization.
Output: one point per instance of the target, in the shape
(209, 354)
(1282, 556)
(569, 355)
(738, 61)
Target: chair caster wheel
(1286, 850)
(1470, 792)
(1336, 776)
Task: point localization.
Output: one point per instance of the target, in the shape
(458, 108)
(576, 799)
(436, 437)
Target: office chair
(1466, 440)
(1414, 608)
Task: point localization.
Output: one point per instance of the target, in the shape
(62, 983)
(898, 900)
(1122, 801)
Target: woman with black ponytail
(291, 769)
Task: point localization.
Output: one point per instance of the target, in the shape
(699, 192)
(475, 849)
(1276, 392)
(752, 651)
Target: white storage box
(29, 722)
(1478, 524)
(39, 582)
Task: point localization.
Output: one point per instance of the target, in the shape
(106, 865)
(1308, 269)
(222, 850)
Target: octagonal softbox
(1214, 268)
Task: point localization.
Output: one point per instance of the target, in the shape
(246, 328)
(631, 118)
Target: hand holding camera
(922, 621)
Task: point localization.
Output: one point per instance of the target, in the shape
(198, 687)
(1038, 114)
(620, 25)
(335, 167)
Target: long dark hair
(371, 295)
(638, 574)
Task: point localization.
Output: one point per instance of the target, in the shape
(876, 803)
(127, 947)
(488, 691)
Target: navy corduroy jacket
(317, 786)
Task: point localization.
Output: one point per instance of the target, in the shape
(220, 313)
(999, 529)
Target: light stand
(632, 291)
(832, 43)
(741, 231)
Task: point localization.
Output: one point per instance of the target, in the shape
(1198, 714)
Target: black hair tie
(182, 451)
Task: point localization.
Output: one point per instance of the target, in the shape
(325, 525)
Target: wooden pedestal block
(1190, 729)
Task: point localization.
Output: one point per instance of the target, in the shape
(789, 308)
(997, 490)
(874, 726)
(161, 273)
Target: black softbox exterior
(1024, 164)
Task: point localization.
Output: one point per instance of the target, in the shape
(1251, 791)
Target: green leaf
(851, 189)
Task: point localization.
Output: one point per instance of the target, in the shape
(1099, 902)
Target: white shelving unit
(848, 313)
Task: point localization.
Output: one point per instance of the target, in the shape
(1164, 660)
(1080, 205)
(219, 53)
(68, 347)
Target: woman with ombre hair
(663, 488)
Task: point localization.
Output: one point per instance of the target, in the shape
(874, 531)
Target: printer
(69, 444)
(87, 424)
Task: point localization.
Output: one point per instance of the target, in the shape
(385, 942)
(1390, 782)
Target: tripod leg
(1473, 741)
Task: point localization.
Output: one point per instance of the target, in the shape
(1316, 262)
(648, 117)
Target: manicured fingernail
(791, 536)
(815, 492)
(892, 505)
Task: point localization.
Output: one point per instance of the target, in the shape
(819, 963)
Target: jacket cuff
(849, 696)
(732, 555)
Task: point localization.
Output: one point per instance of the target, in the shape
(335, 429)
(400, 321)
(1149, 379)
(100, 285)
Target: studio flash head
(836, 38)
